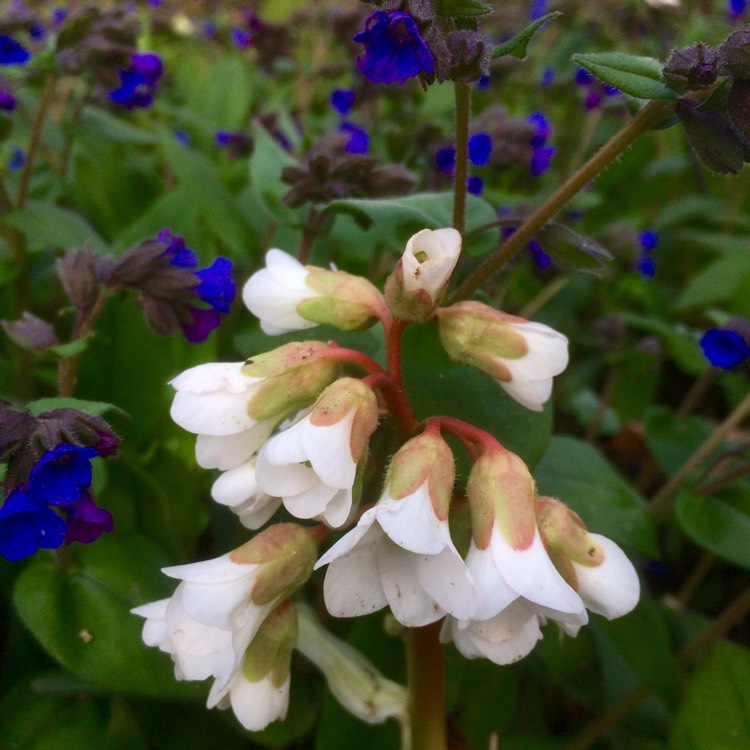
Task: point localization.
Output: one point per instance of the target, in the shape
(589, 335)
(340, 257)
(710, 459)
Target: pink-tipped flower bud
(420, 279)
(288, 296)
(521, 356)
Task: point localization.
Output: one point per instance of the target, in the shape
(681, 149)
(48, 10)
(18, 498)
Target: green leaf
(46, 226)
(462, 8)
(104, 125)
(516, 45)
(573, 251)
(632, 74)
(580, 476)
(672, 439)
(81, 614)
(717, 282)
(396, 219)
(95, 408)
(265, 166)
(715, 712)
(719, 523)
(72, 348)
(437, 385)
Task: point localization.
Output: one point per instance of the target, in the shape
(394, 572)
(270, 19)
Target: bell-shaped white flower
(255, 704)
(287, 296)
(312, 465)
(212, 401)
(401, 553)
(522, 356)
(238, 489)
(273, 293)
(210, 622)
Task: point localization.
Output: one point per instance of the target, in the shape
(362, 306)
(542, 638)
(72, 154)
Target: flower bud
(522, 356)
(30, 332)
(420, 279)
(352, 679)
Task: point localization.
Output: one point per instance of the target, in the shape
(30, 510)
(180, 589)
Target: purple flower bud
(11, 52)
(480, 148)
(7, 101)
(359, 141)
(342, 100)
(86, 521)
(394, 49)
(593, 99)
(201, 324)
(724, 349)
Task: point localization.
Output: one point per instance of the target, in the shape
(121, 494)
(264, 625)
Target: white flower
(429, 259)
(273, 293)
(399, 554)
(209, 621)
(212, 401)
(238, 489)
(312, 465)
(255, 704)
(531, 375)
(611, 589)
(522, 356)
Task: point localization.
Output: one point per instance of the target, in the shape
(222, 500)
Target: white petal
(447, 580)
(352, 538)
(214, 376)
(227, 451)
(493, 594)
(257, 704)
(411, 522)
(611, 589)
(256, 512)
(532, 394)
(352, 585)
(214, 413)
(339, 509)
(236, 486)
(532, 574)
(282, 479)
(328, 449)
(217, 570)
(547, 355)
(310, 503)
(410, 603)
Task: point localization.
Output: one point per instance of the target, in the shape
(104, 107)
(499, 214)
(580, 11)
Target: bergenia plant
(295, 296)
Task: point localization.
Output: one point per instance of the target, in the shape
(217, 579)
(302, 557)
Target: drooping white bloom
(212, 401)
(312, 465)
(255, 704)
(287, 296)
(522, 356)
(238, 489)
(401, 553)
(209, 621)
(273, 293)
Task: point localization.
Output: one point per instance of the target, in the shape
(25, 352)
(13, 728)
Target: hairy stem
(652, 114)
(426, 688)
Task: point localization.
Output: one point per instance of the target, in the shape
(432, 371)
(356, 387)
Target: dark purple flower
(202, 323)
(593, 99)
(7, 101)
(475, 185)
(86, 521)
(541, 259)
(484, 82)
(724, 349)
(60, 475)
(583, 77)
(241, 38)
(58, 16)
(646, 266)
(37, 30)
(541, 158)
(480, 148)
(359, 141)
(342, 100)
(445, 160)
(11, 52)
(148, 66)
(26, 526)
(394, 49)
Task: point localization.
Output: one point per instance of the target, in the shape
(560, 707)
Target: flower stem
(664, 495)
(463, 107)
(652, 114)
(426, 688)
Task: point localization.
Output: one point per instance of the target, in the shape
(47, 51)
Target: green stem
(463, 108)
(652, 114)
(664, 495)
(35, 139)
(426, 688)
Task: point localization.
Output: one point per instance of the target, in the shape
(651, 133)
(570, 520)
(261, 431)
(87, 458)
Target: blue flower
(11, 52)
(359, 141)
(646, 266)
(445, 160)
(542, 128)
(137, 84)
(342, 100)
(541, 155)
(26, 526)
(537, 10)
(217, 287)
(480, 148)
(61, 474)
(7, 101)
(16, 160)
(548, 77)
(736, 8)
(541, 259)
(58, 16)
(484, 82)
(147, 65)
(182, 137)
(394, 49)
(724, 349)
(541, 158)
(241, 38)
(648, 239)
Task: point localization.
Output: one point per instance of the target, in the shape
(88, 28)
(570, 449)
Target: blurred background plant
(244, 126)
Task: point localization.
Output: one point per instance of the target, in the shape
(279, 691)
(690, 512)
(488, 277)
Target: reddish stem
(474, 439)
